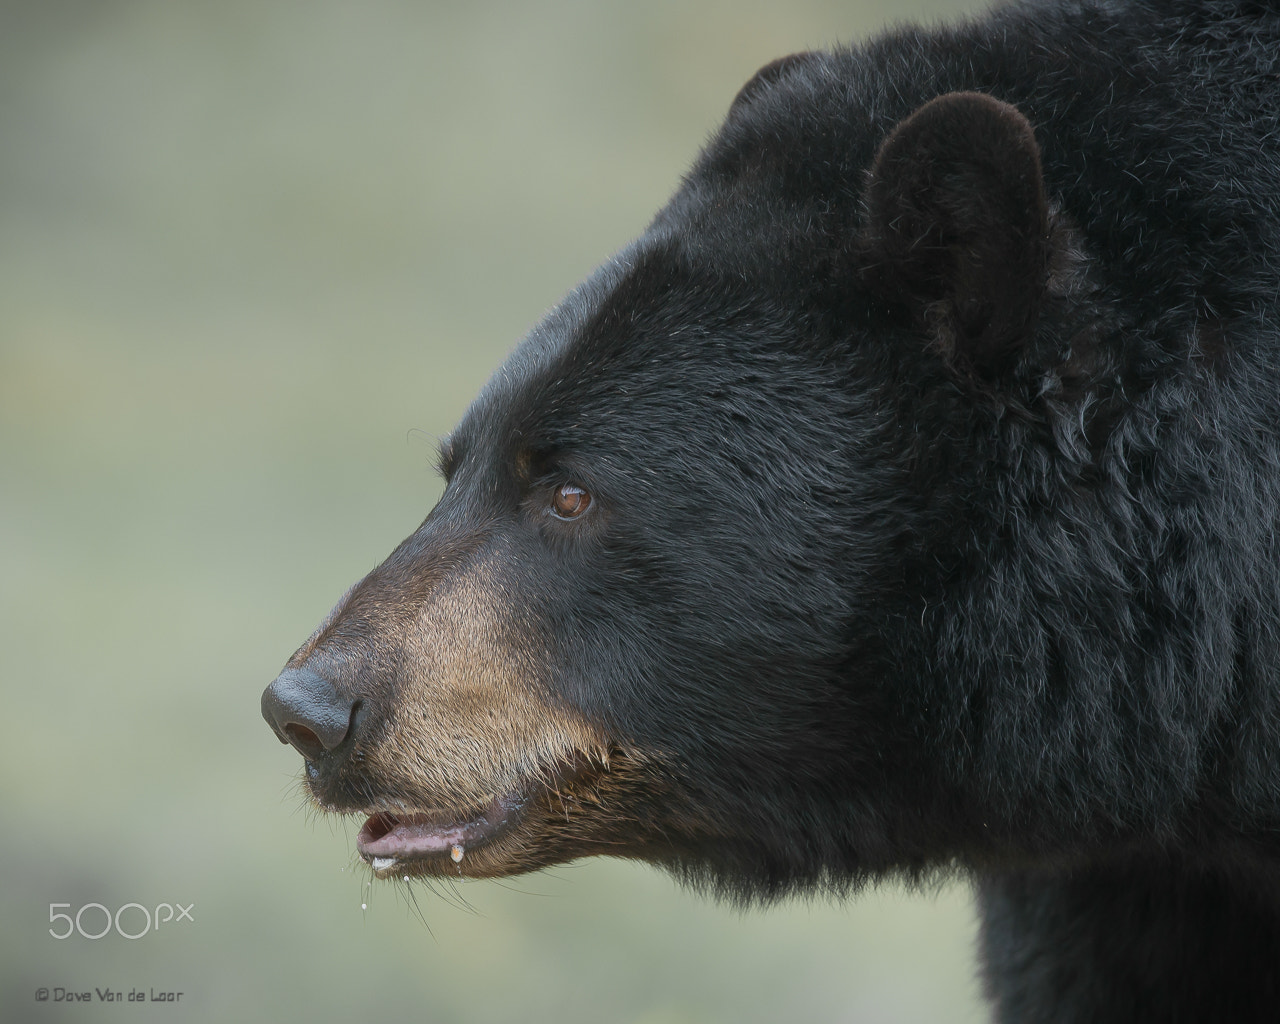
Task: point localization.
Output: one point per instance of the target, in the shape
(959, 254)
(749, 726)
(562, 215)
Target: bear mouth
(387, 842)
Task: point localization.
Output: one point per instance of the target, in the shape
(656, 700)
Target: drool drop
(456, 853)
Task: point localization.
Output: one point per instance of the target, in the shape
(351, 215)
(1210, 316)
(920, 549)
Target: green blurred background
(254, 258)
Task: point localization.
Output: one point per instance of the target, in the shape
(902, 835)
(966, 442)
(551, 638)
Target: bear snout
(306, 710)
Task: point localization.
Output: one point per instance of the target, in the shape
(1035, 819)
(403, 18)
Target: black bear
(905, 500)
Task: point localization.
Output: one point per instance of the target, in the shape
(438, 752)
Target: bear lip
(387, 836)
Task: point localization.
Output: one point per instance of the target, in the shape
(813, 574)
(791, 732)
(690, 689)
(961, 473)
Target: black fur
(936, 481)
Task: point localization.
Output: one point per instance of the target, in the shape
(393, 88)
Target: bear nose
(305, 709)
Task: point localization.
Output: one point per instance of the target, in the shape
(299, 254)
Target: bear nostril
(304, 740)
(306, 710)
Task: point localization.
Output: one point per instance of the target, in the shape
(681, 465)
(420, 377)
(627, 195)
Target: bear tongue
(389, 836)
(385, 835)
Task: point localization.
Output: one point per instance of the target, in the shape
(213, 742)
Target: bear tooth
(456, 853)
(382, 863)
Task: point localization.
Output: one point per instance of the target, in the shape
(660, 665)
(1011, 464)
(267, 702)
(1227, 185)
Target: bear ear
(769, 74)
(957, 226)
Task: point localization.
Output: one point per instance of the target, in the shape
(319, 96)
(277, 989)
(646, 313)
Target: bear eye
(569, 501)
